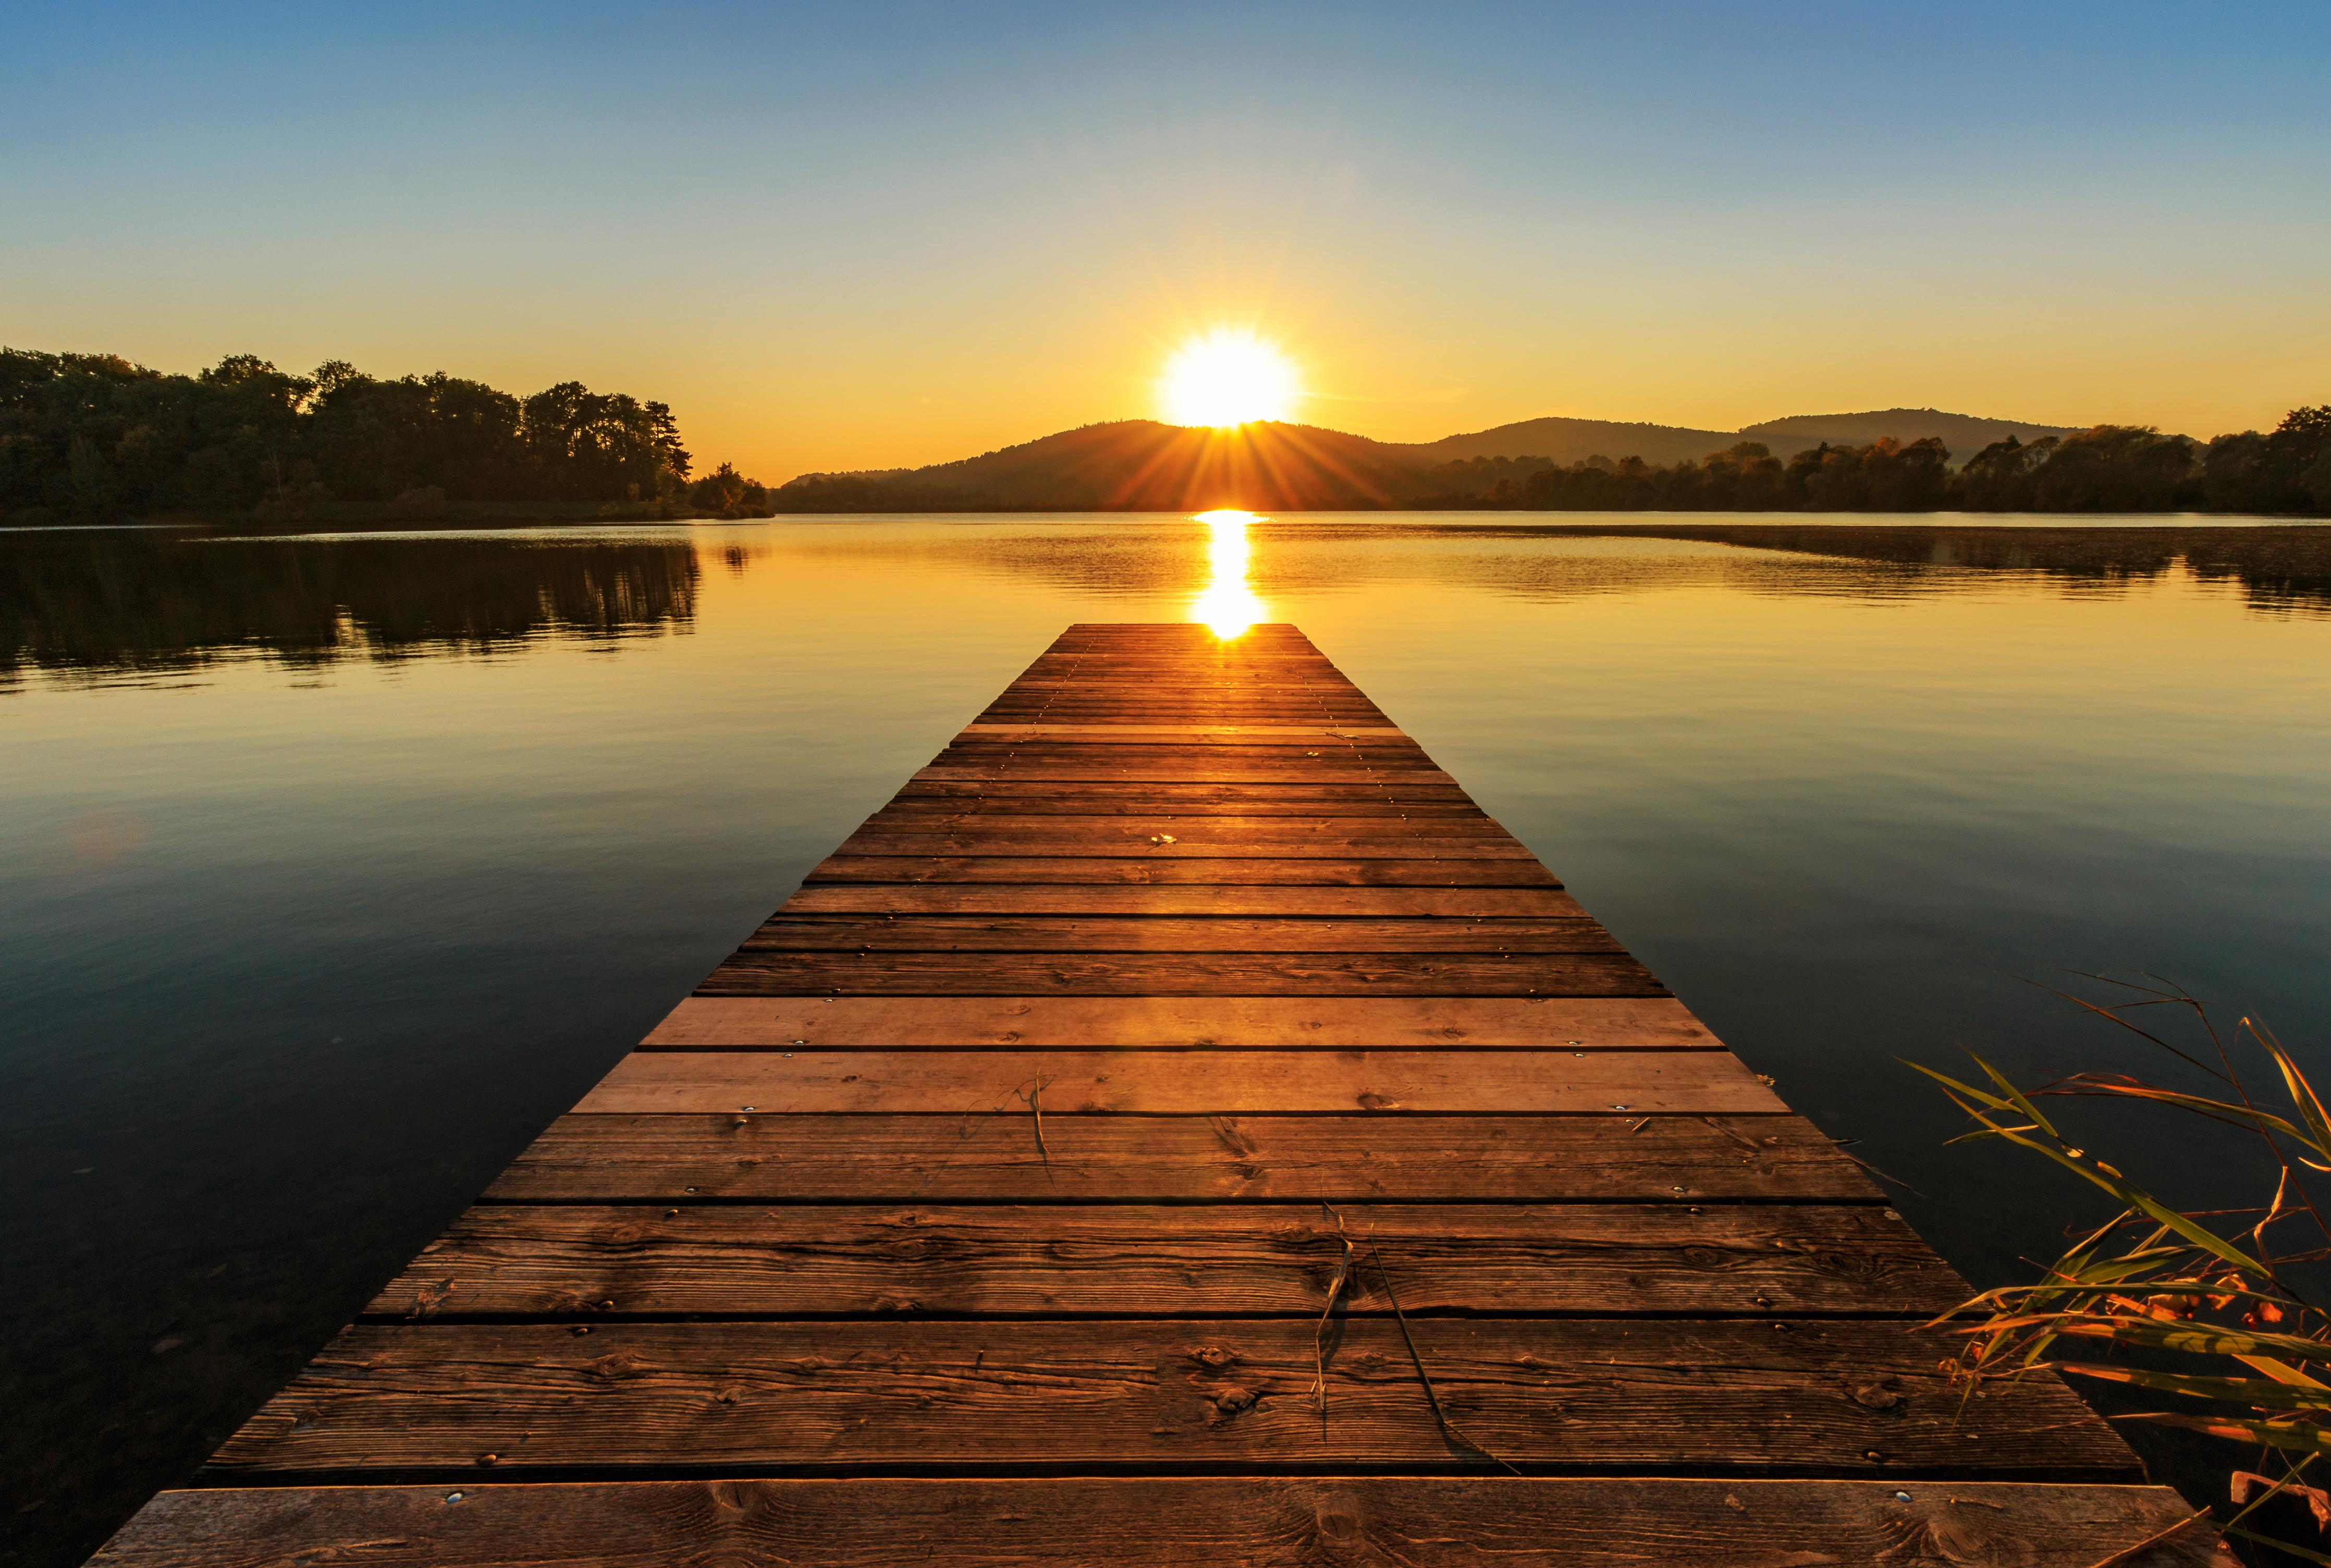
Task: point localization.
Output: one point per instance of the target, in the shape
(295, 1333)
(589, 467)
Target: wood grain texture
(1132, 831)
(1197, 840)
(1281, 735)
(792, 931)
(1175, 1522)
(878, 1158)
(1188, 899)
(762, 970)
(1183, 1083)
(1120, 769)
(1284, 871)
(1131, 1260)
(1323, 1023)
(1791, 1395)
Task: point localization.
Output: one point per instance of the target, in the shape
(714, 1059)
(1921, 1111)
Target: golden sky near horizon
(898, 237)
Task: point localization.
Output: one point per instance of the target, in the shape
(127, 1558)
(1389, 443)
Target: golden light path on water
(1227, 604)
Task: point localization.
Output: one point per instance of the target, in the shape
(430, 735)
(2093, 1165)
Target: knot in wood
(1228, 1403)
(615, 1364)
(1213, 1357)
(1339, 1519)
(1885, 1394)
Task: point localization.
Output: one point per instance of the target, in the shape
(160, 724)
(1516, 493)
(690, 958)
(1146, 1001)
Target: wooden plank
(1069, 898)
(1199, 749)
(760, 970)
(1290, 870)
(1330, 761)
(1794, 1395)
(1183, 1083)
(1096, 933)
(1321, 1023)
(1136, 835)
(1175, 1522)
(1125, 1261)
(1122, 770)
(1014, 709)
(1239, 735)
(1196, 841)
(896, 1158)
(1168, 795)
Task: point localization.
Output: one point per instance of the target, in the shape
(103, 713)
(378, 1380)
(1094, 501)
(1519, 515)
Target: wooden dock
(984, 1208)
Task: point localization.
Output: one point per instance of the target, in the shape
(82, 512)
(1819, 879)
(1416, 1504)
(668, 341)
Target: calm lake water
(335, 868)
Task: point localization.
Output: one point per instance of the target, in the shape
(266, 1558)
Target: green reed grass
(2206, 1301)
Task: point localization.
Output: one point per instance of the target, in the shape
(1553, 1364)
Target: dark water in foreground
(331, 869)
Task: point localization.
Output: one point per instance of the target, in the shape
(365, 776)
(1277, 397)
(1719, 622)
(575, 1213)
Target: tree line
(94, 436)
(2112, 468)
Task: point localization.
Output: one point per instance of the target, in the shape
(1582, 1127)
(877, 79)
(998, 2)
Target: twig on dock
(1319, 1336)
(1031, 1095)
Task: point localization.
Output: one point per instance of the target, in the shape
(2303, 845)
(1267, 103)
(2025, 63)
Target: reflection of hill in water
(94, 600)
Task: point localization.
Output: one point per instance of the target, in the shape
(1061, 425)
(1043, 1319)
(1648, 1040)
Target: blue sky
(888, 235)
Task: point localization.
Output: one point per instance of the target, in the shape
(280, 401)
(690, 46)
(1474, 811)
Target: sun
(1227, 378)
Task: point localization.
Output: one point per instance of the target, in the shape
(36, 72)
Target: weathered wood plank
(762, 970)
(1178, 797)
(879, 1157)
(1123, 770)
(1285, 871)
(1135, 802)
(1319, 1023)
(1193, 900)
(1134, 835)
(1125, 1261)
(1330, 761)
(1175, 1522)
(1183, 1083)
(1270, 734)
(1196, 841)
(1097, 933)
(1794, 1395)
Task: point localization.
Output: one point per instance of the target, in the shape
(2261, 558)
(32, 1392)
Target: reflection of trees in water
(2278, 566)
(138, 601)
(2281, 567)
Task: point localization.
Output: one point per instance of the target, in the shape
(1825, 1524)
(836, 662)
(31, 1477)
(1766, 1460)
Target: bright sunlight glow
(1227, 378)
(1227, 605)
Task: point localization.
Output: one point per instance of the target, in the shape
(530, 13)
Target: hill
(1143, 465)
(1965, 433)
(1569, 441)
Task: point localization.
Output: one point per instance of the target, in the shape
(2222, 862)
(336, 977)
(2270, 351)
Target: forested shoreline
(93, 437)
(1140, 465)
(2286, 473)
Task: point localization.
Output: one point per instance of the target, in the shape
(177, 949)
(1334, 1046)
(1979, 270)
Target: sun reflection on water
(1227, 604)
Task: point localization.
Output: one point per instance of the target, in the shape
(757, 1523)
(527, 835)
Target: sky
(879, 235)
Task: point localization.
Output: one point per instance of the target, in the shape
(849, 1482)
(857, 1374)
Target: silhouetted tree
(93, 435)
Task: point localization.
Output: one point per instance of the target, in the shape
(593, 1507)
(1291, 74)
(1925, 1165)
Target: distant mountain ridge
(1965, 433)
(1143, 465)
